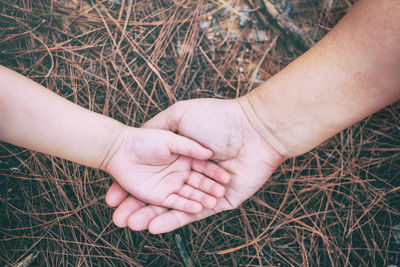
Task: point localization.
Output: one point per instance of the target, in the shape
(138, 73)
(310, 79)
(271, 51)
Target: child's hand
(165, 169)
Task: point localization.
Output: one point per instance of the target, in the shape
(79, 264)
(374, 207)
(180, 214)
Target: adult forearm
(33, 117)
(351, 73)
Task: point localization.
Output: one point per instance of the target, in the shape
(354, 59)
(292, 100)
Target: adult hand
(223, 127)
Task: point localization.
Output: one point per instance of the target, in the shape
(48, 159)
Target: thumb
(187, 147)
(166, 120)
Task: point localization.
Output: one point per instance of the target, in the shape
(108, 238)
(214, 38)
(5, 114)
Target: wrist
(112, 143)
(260, 124)
(289, 128)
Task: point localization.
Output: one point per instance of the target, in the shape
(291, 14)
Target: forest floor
(337, 205)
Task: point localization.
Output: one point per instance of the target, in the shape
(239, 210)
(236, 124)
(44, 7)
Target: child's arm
(146, 162)
(36, 118)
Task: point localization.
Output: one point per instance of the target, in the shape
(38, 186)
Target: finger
(191, 193)
(187, 147)
(139, 220)
(171, 220)
(174, 219)
(211, 170)
(175, 201)
(167, 120)
(205, 184)
(128, 206)
(115, 195)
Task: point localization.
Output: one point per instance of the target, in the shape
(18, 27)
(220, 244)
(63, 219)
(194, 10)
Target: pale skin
(353, 72)
(155, 166)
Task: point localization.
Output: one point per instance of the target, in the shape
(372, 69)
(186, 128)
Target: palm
(221, 126)
(147, 181)
(146, 164)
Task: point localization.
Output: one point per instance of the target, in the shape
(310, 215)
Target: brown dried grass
(337, 205)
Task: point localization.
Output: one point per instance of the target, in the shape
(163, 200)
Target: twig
(182, 250)
(257, 68)
(28, 260)
(287, 25)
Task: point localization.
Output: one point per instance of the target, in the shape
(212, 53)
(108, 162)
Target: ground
(337, 205)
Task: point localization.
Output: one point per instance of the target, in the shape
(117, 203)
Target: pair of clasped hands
(197, 158)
